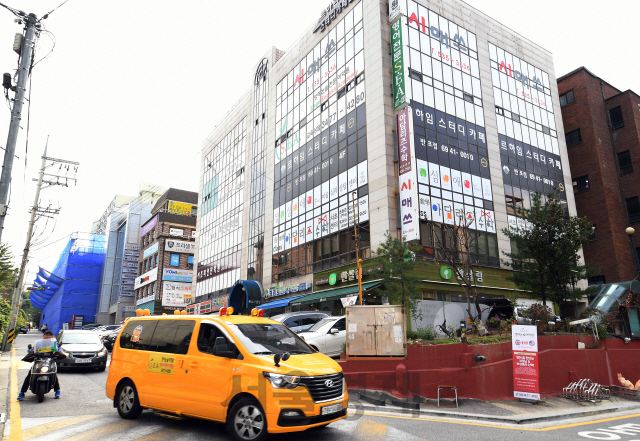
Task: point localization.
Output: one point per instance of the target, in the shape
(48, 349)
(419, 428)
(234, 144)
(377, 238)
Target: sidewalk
(502, 411)
(5, 384)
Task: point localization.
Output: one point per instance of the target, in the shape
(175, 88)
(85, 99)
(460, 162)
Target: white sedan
(327, 336)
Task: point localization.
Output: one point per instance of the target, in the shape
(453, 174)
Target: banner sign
(349, 301)
(408, 183)
(205, 307)
(275, 291)
(526, 375)
(179, 208)
(177, 275)
(149, 226)
(179, 246)
(145, 299)
(176, 294)
(132, 247)
(151, 250)
(176, 232)
(399, 69)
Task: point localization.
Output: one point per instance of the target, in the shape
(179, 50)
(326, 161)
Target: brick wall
(602, 203)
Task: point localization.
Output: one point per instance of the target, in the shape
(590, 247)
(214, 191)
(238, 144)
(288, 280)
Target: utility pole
(16, 301)
(26, 54)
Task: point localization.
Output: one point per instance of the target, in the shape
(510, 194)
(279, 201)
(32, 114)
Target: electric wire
(45, 16)
(16, 12)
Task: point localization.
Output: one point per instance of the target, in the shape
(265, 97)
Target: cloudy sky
(133, 87)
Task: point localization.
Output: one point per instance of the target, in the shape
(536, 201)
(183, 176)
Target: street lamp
(630, 232)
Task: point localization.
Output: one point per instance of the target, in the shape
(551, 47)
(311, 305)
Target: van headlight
(280, 381)
(102, 353)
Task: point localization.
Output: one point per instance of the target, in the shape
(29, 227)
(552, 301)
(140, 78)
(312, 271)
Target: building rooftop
(175, 194)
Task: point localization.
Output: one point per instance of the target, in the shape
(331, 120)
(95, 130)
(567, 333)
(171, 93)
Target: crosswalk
(150, 427)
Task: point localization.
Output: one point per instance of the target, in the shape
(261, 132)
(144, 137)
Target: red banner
(526, 382)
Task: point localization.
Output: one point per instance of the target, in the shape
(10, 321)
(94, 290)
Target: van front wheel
(246, 421)
(127, 401)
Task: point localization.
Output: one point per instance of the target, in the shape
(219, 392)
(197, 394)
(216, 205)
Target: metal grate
(320, 390)
(83, 354)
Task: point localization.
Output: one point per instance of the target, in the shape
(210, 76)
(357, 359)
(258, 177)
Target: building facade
(602, 130)
(311, 151)
(164, 266)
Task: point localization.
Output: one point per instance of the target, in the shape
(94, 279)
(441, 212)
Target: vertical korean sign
(398, 43)
(524, 343)
(408, 182)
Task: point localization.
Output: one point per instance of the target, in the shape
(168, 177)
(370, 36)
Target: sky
(132, 88)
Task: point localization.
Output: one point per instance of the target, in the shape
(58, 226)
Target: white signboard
(524, 338)
(176, 232)
(146, 278)
(395, 9)
(408, 182)
(179, 246)
(176, 294)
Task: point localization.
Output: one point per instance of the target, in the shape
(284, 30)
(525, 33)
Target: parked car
(505, 309)
(300, 321)
(327, 335)
(109, 339)
(108, 329)
(90, 326)
(83, 349)
(23, 330)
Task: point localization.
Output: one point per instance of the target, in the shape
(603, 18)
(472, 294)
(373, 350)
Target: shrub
(426, 333)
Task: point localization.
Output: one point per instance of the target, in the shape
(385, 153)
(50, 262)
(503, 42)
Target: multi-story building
(311, 150)
(121, 224)
(602, 131)
(167, 244)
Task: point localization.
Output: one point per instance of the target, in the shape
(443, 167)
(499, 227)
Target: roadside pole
(26, 55)
(16, 301)
(355, 230)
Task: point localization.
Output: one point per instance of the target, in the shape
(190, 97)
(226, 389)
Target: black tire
(41, 390)
(246, 421)
(127, 401)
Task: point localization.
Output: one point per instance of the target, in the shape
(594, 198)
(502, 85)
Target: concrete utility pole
(26, 55)
(16, 301)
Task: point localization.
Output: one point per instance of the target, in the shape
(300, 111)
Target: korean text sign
(398, 42)
(409, 204)
(526, 375)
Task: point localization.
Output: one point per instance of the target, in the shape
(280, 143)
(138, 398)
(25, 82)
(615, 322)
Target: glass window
(207, 337)
(594, 233)
(566, 98)
(340, 325)
(581, 184)
(633, 208)
(573, 137)
(596, 280)
(617, 122)
(267, 339)
(624, 161)
(137, 334)
(172, 336)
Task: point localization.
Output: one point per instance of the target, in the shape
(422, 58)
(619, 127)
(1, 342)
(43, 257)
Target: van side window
(207, 338)
(172, 336)
(137, 334)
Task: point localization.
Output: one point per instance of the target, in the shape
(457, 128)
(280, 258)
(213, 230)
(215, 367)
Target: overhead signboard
(398, 60)
(151, 250)
(179, 246)
(176, 232)
(146, 278)
(182, 208)
(149, 226)
(177, 275)
(409, 205)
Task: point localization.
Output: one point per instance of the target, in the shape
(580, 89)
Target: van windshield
(267, 339)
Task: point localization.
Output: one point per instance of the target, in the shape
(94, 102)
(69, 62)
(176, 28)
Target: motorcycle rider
(47, 344)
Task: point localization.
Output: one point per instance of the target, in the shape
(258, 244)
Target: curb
(499, 419)
(5, 405)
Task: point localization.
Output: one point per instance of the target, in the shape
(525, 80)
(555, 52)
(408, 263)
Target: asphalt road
(85, 413)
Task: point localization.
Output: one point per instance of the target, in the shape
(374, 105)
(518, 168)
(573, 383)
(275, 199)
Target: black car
(83, 349)
(23, 330)
(110, 339)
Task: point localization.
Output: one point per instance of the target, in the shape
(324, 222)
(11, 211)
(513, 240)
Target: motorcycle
(44, 371)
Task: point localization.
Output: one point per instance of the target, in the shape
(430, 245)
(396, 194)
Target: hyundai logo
(328, 383)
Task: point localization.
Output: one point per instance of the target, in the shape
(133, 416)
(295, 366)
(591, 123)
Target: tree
(454, 247)
(8, 272)
(397, 260)
(545, 250)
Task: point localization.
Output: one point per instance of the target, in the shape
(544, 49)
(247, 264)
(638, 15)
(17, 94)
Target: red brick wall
(593, 156)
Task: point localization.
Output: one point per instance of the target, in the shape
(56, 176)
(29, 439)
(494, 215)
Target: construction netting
(73, 287)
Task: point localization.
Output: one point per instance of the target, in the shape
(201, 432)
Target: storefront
(277, 299)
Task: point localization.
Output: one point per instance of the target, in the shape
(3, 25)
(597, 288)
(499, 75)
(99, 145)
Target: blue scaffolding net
(73, 287)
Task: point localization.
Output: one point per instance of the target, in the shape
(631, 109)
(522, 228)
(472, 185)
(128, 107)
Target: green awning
(333, 294)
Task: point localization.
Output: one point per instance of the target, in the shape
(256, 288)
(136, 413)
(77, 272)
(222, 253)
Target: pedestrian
(47, 344)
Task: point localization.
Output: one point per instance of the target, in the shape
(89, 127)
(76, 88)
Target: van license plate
(83, 360)
(326, 410)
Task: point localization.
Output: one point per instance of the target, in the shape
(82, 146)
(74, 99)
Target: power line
(45, 16)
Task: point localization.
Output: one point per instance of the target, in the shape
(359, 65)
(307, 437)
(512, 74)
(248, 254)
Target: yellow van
(252, 373)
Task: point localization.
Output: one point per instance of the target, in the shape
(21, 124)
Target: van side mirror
(221, 348)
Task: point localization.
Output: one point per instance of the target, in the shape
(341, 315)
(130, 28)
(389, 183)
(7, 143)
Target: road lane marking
(545, 429)
(107, 429)
(44, 429)
(368, 430)
(161, 436)
(15, 433)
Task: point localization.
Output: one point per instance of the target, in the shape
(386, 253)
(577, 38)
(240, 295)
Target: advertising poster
(176, 294)
(524, 344)
(407, 177)
(179, 208)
